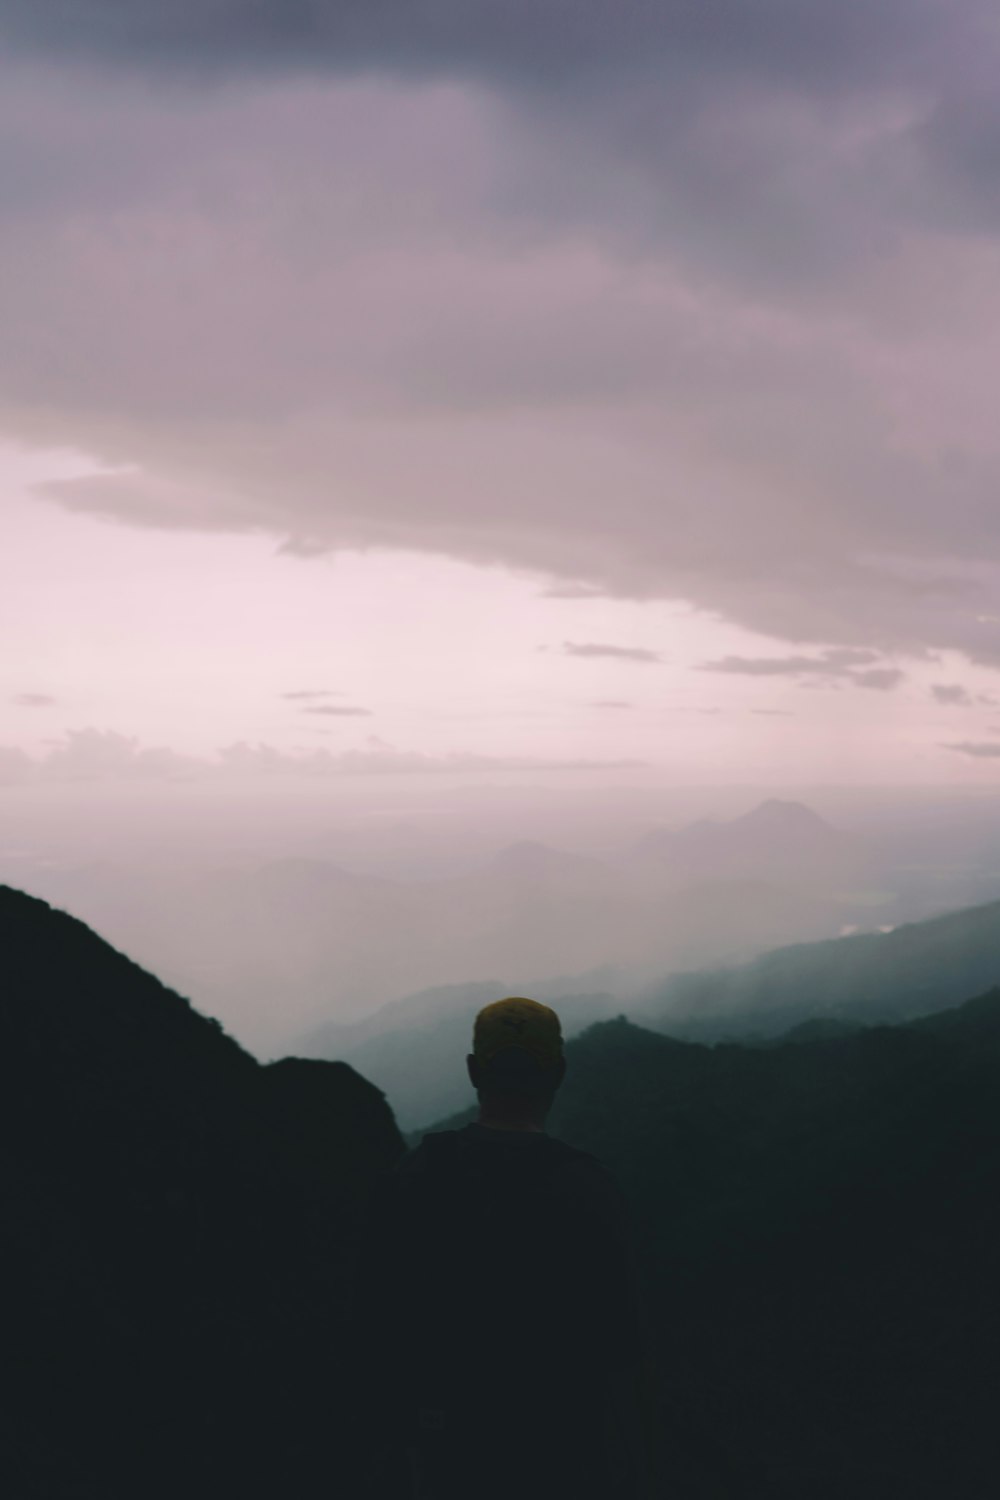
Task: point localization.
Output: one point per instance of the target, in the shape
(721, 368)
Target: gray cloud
(979, 749)
(98, 755)
(572, 590)
(705, 317)
(836, 662)
(617, 653)
(955, 695)
(336, 711)
(839, 664)
(879, 679)
(952, 694)
(107, 756)
(33, 700)
(519, 41)
(379, 758)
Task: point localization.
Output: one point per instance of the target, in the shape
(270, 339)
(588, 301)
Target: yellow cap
(516, 1022)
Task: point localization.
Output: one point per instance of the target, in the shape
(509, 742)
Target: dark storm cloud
(33, 700)
(520, 40)
(672, 300)
(616, 653)
(978, 749)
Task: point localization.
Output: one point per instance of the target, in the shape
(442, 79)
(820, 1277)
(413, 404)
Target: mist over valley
(319, 925)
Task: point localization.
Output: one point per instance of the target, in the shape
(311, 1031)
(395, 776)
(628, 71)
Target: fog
(284, 908)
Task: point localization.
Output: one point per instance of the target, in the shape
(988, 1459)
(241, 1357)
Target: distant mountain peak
(774, 812)
(772, 816)
(778, 840)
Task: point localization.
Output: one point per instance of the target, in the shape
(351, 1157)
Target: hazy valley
(286, 942)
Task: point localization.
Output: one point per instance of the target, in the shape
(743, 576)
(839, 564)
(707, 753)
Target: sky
(563, 388)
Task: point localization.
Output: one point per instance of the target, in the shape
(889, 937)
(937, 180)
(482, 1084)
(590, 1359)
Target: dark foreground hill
(818, 1221)
(178, 1234)
(820, 1229)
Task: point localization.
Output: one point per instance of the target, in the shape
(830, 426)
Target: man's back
(507, 1308)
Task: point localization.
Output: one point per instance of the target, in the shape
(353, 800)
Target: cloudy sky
(552, 382)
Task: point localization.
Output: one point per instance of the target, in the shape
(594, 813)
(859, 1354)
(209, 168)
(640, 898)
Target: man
(507, 1346)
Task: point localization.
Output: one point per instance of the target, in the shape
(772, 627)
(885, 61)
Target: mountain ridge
(179, 1232)
(816, 1223)
(876, 976)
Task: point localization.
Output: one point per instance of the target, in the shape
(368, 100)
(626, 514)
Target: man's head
(517, 1064)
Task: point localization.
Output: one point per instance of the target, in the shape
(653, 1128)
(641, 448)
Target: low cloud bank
(104, 755)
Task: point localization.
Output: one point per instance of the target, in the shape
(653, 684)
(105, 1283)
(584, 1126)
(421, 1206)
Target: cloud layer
(86, 755)
(516, 42)
(662, 301)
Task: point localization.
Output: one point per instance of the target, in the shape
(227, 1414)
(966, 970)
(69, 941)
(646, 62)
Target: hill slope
(177, 1222)
(414, 1049)
(818, 1225)
(881, 976)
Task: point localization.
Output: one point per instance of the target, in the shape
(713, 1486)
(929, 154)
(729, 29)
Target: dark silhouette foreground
(178, 1228)
(817, 1222)
(509, 1350)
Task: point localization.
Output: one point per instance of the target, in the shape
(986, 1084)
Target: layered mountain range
(282, 948)
(858, 979)
(414, 1049)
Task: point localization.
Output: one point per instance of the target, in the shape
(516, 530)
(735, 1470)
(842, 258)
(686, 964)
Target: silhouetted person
(499, 1298)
